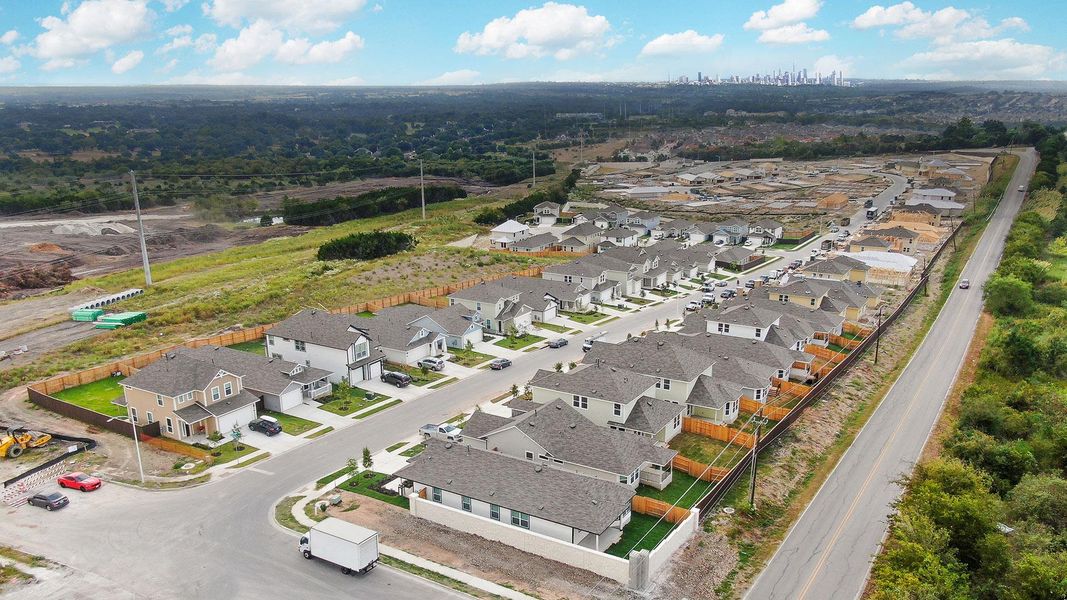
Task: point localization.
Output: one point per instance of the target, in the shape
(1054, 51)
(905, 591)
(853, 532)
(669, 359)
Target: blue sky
(394, 42)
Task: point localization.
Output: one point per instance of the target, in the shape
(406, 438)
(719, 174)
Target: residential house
(773, 321)
(338, 343)
(572, 297)
(836, 268)
(502, 236)
(583, 237)
(918, 213)
(701, 232)
(730, 232)
(643, 222)
(625, 276)
(904, 240)
(738, 259)
(852, 300)
(496, 490)
(556, 435)
(621, 236)
(946, 208)
(611, 397)
(190, 398)
(587, 272)
(919, 196)
(400, 335)
(541, 242)
(497, 308)
(646, 264)
(768, 230)
(672, 229)
(547, 213)
(871, 243)
(280, 385)
(834, 201)
(455, 323)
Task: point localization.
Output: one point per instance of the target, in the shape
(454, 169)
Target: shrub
(365, 246)
(1008, 295)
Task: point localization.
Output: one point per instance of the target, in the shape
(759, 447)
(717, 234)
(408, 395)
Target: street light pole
(755, 457)
(136, 440)
(878, 333)
(422, 190)
(140, 231)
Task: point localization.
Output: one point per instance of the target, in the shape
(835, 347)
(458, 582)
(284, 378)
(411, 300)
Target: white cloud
(9, 64)
(182, 41)
(252, 44)
(312, 16)
(302, 52)
(179, 30)
(798, 33)
(174, 5)
(833, 62)
(460, 77)
(559, 30)
(93, 26)
(377, 8)
(779, 15)
(205, 43)
(944, 26)
(883, 16)
(347, 81)
(167, 68)
(686, 42)
(127, 62)
(988, 59)
(9, 37)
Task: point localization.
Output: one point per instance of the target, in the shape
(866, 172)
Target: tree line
(557, 192)
(367, 245)
(378, 202)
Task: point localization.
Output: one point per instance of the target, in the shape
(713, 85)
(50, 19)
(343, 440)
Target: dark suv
(266, 425)
(398, 379)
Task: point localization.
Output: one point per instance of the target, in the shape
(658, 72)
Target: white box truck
(347, 545)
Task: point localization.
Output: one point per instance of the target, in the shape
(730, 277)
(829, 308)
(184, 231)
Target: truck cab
(444, 431)
(872, 213)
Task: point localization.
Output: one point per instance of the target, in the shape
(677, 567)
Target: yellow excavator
(17, 439)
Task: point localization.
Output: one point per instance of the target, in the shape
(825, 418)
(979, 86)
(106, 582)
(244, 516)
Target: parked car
(728, 294)
(707, 287)
(692, 306)
(79, 481)
(499, 363)
(266, 425)
(48, 500)
(708, 297)
(444, 431)
(835, 229)
(398, 379)
(432, 363)
(965, 284)
(1022, 189)
(750, 284)
(557, 343)
(796, 264)
(720, 243)
(721, 284)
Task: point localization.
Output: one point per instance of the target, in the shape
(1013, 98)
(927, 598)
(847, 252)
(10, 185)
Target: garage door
(239, 417)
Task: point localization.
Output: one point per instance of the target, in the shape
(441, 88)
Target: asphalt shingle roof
(652, 357)
(604, 382)
(650, 415)
(259, 373)
(320, 328)
(174, 374)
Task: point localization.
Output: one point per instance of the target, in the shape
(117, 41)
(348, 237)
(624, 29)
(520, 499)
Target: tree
(470, 346)
(367, 245)
(1040, 498)
(368, 461)
(514, 390)
(236, 435)
(352, 464)
(266, 221)
(1008, 295)
(1020, 354)
(559, 367)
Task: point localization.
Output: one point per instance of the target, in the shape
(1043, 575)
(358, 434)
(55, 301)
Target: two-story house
(837, 268)
(549, 295)
(853, 301)
(498, 308)
(587, 274)
(501, 236)
(643, 222)
(583, 237)
(398, 332)
(768, 231)
(279, 384)
(338, 343)
(621, 236)
(730, 232)
(547, 213)
(190, 398)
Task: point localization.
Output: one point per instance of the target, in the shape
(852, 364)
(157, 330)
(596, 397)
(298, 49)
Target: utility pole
(878, 333)
(140, 231)
(422, 190)
(533, 155)
(755, 456)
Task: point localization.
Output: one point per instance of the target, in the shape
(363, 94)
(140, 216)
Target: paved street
(828, 553)
(219, 540)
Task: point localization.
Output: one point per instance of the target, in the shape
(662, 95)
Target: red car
(79, 481)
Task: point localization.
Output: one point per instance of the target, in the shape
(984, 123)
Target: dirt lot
(478, 556)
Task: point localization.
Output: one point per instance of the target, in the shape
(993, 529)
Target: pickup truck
(444, 431)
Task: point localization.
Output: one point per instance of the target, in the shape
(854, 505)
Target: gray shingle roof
(259, 373)
(481, 423)
(838, 265)
(565, 292)
(173, 375)
(519, 406)
(453, 319)
(391, 328)
(650, 415)
(896, 232)
(604, 382)
(320, 328)
(711, 392)
(194, 413)
(873, 241)
(566, 498)
(537, 241)
(620, 232)
(228, 405)
(572, 242)
(652, 357)
(579, 268)
(740, 312)
(489, 291)
(734, 255)
(583, 229)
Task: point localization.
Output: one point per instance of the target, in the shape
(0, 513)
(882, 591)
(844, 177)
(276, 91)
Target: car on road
(48, 500)
(721, 284)
(557, 343)
(432, 363)
(1022, 188)
(499, 363)
(266, 425)
(394, 378)
(79, 481)
(728, 294)
(692, 306)
(965, 284)
(796, 264)
(750, 284)
(835, 229)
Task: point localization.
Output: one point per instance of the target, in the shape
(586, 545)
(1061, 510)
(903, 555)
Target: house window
(813, 301)
(783, 297)
(622, 479)
(362, 350)
(270, 340)
(133, 414)
(159, 399)
(436, 494)
(616, 409)
(758, 331)
(759, 394)
(170, 425)
(494, 512)
(567, 279)
(677, 421)
(781, 373)
(580, 402)
(151, 418)
(724, 327)
(520, 519)
(215, 393)
(666, 384)
(529, 455)
(228, 388)
(466, 503)
(633, 477)
(300, 346)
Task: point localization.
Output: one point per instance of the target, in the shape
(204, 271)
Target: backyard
(519, 342)
(681, 491)
(367, 482)
(291, 424)
(468, 358)
(344, 402)
(643, 532)
(703, 449)
(252, 346)
(97, 396)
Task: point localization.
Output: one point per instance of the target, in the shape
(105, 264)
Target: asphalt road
(220, 540)
(827, 554)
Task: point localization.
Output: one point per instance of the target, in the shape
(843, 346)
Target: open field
(267, 282)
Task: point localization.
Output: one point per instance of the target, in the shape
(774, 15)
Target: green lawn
(344, 404)
(442, 383)
(96, 396)
(468, 358)
(379, 408)
(253, 347)
(664, 293)
(553, 327)
(365, 313)
(718, 276)
(676, 491)
(518, 343)
(584, 318)
(836, 348)
(703, 449)
(637, 301)
(365, 483)
(851, 336)
(638, 526)
(414, 450)
(417, 376)
(320, 432)
(328, 478)
(228, 453)
(293, 425)
(395, 446)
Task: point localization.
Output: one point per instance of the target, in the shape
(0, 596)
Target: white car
(432, 363)
(692, 306)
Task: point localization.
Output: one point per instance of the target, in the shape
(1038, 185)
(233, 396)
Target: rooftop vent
(573, 425)
(538, 469)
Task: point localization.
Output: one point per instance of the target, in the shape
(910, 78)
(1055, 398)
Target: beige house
(190, 398)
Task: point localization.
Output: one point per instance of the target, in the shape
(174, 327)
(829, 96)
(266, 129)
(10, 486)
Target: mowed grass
(681, 490)
(468, 358)
(97, 396)
(641, 533)
(518, 343)
(267, 282)
(252, 347)
(552, 327)
(584, 318)
(345, 403)
(417, 376)
(704, 449)
(293, 425)
(365, 483)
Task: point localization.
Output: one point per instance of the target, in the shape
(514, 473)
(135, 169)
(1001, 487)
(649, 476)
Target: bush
(365, 246)
(1008, 295)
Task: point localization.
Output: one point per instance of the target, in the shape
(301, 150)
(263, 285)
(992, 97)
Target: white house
(337, 343)
(497, 308)
(621, 236)
(588, 274)
(547, 213)
(507, 232)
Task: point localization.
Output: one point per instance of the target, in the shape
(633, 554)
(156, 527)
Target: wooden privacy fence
(856, 329)
(790, 387)
(825, 353)
(96, 419)
(658, 508)
(696, 469)
(776, 413)
(717, 432)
